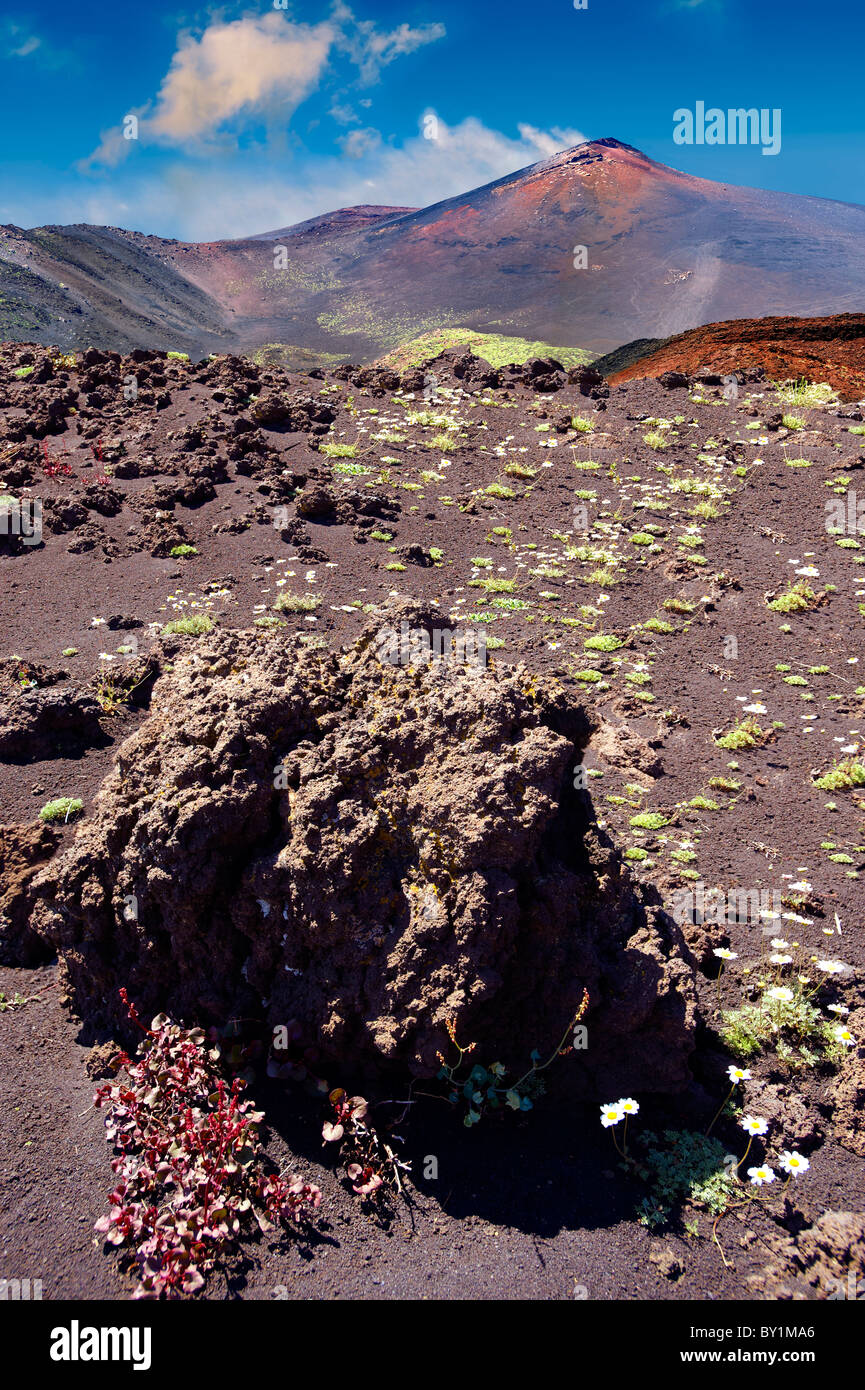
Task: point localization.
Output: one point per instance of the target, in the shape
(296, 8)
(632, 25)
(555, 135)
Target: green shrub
(189, 627)
(747, 734)
(797, 598)
(64, 808)
(297, 603)
(842, 776)
(649, 820)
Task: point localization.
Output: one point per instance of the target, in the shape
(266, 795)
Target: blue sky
(251, 117)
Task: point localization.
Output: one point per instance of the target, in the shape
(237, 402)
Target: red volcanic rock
(824, 349)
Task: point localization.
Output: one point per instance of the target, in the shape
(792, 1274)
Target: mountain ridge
(664, 252)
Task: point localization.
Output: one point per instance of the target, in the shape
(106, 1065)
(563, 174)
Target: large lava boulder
(371, 850)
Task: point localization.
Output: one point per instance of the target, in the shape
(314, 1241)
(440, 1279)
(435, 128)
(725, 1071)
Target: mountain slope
(80, 285)
(665, 252)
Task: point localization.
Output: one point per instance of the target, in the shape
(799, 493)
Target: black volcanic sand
(529, 1206)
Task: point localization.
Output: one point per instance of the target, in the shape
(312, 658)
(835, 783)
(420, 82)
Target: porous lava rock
(372, 851)
(847, 1091)
(823, 1260)
(36, 724)
(23, 850)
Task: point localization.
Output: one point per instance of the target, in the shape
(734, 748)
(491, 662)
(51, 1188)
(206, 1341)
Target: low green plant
(805, 393)
(297, 603)
(196, 626)
(63, 808)
(797, 598)
(494, 586)
(792, 1028)
(746, 734)
(649, 820)
(682, 1166)
(334, 450)
(485, 1088)
(842, 776)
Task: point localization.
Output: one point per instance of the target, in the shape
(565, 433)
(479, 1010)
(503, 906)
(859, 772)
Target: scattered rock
(667, 1263)
(99, 1059)
(794, 1122)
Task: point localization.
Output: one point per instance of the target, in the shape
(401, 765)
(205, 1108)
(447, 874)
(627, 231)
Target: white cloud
(357, 144)
(260, 67)
(27, 47)
(246, 66)
(343, 114)
(371, 50)
(206, 202)
(18, 41)
(548, 143)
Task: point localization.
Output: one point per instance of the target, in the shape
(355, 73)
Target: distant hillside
(493, 347)
(830, 349)
(663, 252)
(628, 353)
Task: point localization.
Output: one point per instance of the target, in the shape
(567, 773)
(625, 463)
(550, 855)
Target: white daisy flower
(723, 954)
(628, 1106)
(738, 1073)
(843, 1035)
(611, 1114)
(793, 1163)
(779, 994)
(761, 1175)
(753, 1125)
